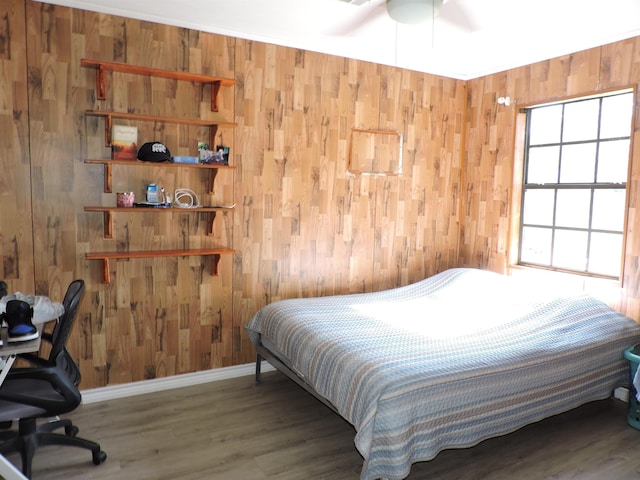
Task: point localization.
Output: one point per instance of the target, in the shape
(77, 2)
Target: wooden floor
(233, 429)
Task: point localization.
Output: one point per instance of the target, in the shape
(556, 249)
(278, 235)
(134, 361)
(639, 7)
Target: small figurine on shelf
(206, 155)
(222, 154)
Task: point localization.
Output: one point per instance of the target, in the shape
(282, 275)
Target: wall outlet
(621, 393)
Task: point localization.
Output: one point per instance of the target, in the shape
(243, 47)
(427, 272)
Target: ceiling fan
(408, 12)
(413, 11)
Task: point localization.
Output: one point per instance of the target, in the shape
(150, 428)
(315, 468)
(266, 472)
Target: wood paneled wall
(16, 234)
(306, 227)
(491, 153)
(303, 226)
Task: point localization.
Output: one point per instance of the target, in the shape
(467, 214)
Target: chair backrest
(63, 326)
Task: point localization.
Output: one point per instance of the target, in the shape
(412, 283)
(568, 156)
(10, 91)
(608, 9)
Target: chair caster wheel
(72, 431)
(99, 457)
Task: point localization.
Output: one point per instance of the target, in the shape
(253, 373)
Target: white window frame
(519, 187)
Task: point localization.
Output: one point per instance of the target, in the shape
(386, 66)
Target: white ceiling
(504, 33)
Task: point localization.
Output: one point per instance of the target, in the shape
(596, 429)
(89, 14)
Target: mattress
(449, 361)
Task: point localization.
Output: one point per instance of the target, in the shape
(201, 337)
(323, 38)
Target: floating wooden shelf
(101, 81)
(212, 125)
(105, 257)
(108, 169)
(141, 117)
(109, 211)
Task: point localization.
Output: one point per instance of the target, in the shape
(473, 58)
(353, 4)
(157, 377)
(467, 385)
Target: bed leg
(258, 365)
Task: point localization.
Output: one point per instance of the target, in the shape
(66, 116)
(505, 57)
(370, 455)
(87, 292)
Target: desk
(8, 351)
(44, 311)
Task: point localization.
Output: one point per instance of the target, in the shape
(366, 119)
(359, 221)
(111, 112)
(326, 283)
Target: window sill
(607, 290)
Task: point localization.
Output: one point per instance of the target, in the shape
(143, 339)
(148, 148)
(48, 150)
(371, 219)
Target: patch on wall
(375, 152)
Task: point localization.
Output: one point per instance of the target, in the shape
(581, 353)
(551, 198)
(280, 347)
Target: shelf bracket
(212, 136)
(105, 270)
(213, 218)
(212, 186)
(215, 260)
(107, 219)
(215, 88)
(108, 178)
(108, 125)
(101, 83)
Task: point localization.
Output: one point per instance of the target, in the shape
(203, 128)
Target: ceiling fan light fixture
(413, 11)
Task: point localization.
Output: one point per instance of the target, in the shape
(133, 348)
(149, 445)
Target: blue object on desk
(186, 160)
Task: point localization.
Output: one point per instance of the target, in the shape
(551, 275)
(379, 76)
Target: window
(576, 162)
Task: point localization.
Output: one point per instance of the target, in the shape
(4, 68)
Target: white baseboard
(102, 394)
(94, 395)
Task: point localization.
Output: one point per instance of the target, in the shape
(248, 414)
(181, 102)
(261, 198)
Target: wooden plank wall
(302, 225)
(307, 227)
(491, 142)
(16, 234)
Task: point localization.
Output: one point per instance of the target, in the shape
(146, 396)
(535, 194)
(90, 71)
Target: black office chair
(57, 338)
(47, 390)
(57, 342)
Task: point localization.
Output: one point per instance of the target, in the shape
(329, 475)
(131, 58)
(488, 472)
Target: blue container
(633, 355)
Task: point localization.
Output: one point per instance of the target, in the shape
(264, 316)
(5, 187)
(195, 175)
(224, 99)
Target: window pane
(605, 253)
(613, 161)
(572, 208)
(581, 120)
(578, 163)
(575, 184)
(616, 116)
(543, 165)
(536, 245)
(538, 207)
(570, 250)
(544, 126)
(608, 210)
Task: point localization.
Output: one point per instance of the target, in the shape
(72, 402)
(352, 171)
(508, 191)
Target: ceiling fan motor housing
(413, 11)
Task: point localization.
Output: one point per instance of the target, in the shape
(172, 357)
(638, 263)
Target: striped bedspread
(447, 362)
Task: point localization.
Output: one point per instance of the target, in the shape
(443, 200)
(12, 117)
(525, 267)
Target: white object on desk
(44, 310)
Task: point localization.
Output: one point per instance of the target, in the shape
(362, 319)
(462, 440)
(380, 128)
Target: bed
(445, 362)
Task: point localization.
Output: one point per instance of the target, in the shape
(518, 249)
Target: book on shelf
(124, 142)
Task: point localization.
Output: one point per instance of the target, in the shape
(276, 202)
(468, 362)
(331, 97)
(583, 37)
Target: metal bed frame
(278, 364)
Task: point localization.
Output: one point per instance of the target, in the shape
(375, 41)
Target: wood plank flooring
(233, 429)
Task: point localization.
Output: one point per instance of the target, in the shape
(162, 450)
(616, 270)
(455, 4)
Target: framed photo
(124, 142)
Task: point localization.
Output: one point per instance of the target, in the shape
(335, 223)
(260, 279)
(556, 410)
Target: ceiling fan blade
(455, 15)
(366, 14)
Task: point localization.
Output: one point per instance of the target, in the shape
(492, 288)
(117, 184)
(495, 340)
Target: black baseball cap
(154, 152)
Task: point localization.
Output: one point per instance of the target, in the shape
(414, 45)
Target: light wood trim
(101, 82)
(155, 118)
(109, 211)
(108, 169)
(140, 163)
(141, 117)
(104, 257)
